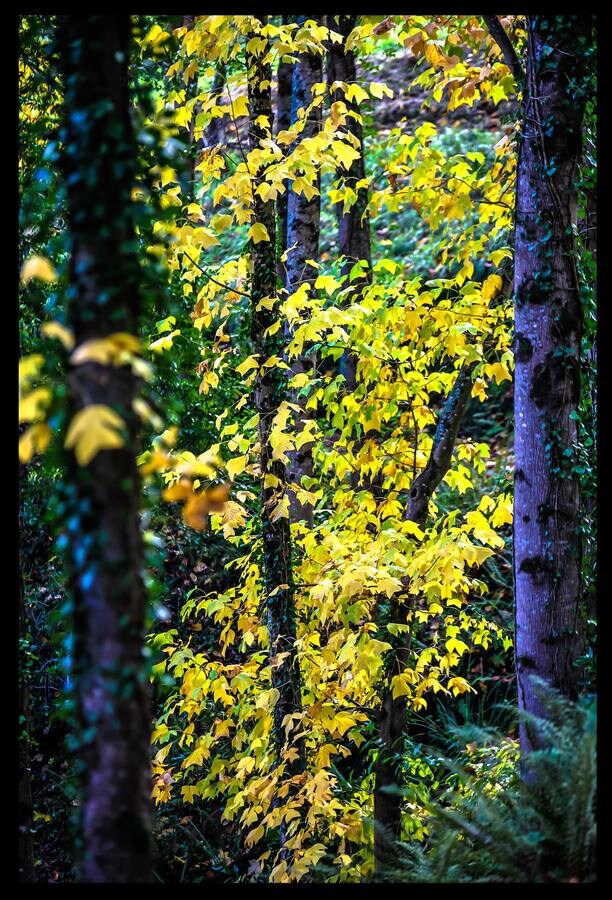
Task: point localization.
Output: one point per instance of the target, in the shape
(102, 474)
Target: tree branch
(497, 32)
(442, 449)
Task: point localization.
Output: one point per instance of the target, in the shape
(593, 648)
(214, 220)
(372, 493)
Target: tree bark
(25, 848)
(303, 218)
(354, 224)
(393, 715)
(102, 497)
(548, 328)
(282, 123)
(270, 391)
(191, 155)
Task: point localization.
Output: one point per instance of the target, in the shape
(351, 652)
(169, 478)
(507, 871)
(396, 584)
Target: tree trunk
(26, 849)
(303, 217)
(590, 370)
(548, 327)
(270, 391)
(282, 123)
(102, 495)
(393, 715)
(191, 151)
(354, 224)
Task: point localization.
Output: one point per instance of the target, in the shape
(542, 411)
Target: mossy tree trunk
(303, 221)
(354, 224)
(548, 328)
(25, 843)
(282, 121)
(270, 390)
(102, 497)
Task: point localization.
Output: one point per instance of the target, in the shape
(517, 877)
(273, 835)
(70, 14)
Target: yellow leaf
(344, 153)
(258, 232)
(204, 238)
(160, 731)
(274, 361)
(499, 372)
(328, 283)
(269, 191)
(280, 443)
(144, 411)
(324, 754)
(266, 303)
(142, 368)
(281, 510)
(246, 365)
(284, 137)
(153, 462)
(454, 645)
(198, 506)
(397, 628)
(169, 436)
(400, 687)
(478, 389)
(34, 440)
(94, 428)
(221, 222)
(114, 349)
(341, 723)
(425, 131)
(301, 185)
(236, 466)
(476, 522)
(181, 118)
(32, 406)
(38, 267)
(29, 367)
(168, 175)
(355, 93)
(491, 286)
(164, 342)
(56, 330)
(502, 515)
(240, 106)
(459, 685)
(245, 765)
(255, 835)
(299, 380)
(378, 90)
(189, 791)
(306, 436)
(497, 255)
(180, 490)
(272, 329)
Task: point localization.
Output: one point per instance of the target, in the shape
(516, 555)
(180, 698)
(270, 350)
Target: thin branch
(214, 280)
(497, 32)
